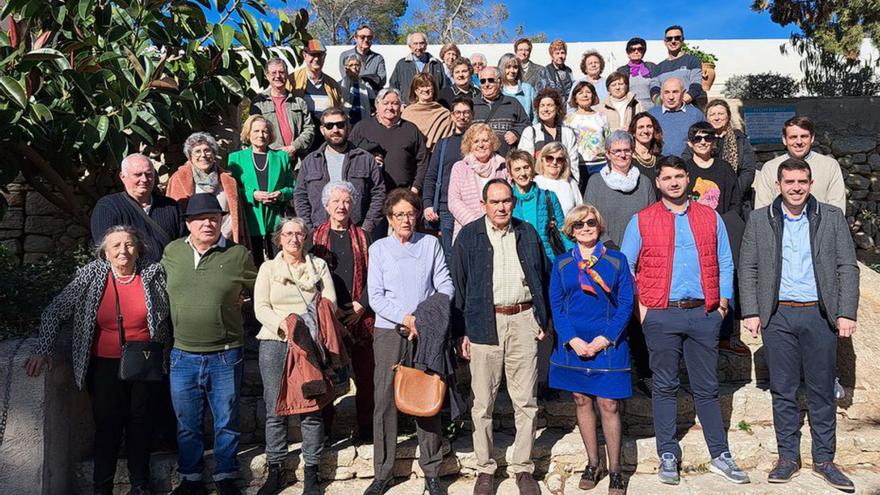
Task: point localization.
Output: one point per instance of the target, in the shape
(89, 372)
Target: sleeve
(541, 83)
(522, 120)
(381, 305)
(301, 204)
(235, 169)
(625, 298)
(765, 188)
(430, 182)
(307, 135)
(377, 195)
(631, 244)
(725, 259)
(560, 219)
(847, 271)
(459, 272)
(254, 108)
(527, 140)
(422, 157)
(286, 183)
(695, 81)
(249, 271)
(747, 168)
(380, 71)
(836, 192)
(456, 205)
(441, 278)
(561, 324)
(394, 82)
(575, 192)
(571, 149)
(60, 309)
(736, 195)
(748, 269)
(101, 220)
(328, 290)
(262, 305)
(654, 88)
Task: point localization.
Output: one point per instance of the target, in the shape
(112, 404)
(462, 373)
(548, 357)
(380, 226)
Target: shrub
(767, 85)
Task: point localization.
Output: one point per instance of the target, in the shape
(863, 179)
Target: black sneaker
(378, 487)
(311, 485)
(227, 487)
(832, 475)
(274, 481)
(433, 486)
(591, 477)
(189, 487)
(784, 471)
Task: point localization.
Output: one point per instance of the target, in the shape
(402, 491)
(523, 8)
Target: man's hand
(464, 348)
(409, 321)
(541, 335)
(510, 137)
(430, 215)
(380, 160)
(581, 347)
(414, 189)
(687, 98)
(845, 327)
(753, 325)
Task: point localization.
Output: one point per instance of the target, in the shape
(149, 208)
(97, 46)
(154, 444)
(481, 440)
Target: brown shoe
(484, 484)
(591, 477)
(527, 484)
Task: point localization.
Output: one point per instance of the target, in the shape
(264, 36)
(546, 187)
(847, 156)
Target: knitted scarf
(206, 181)
(587, 274)
(729, 150)
(618, 182)
(484, 169)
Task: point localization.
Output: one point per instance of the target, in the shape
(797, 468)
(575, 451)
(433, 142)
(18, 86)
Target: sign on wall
(764, 124)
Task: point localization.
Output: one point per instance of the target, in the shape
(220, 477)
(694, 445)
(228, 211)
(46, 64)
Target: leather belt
(795, 304)
(686, 303)
(513, 309)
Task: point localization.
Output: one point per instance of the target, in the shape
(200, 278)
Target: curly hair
(554, 95)
(467, 141)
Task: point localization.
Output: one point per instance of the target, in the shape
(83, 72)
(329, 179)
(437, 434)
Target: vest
(654, 272)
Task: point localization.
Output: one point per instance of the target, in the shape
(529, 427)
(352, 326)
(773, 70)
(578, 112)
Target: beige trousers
(517, 355)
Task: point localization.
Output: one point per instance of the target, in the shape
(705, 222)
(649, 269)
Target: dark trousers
(447, 226)
(262, 248)
(638, 348)
(388, 347)
(119, 406)
(800, 340)
(671, 334)
(363, 363)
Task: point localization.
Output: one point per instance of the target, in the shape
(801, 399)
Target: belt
(795, 304)
(512, 309)
(686, 303)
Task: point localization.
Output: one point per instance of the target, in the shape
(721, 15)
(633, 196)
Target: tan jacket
(297, 85)
(828, 186)
(633, 107)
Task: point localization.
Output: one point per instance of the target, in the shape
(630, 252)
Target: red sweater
(134, 317)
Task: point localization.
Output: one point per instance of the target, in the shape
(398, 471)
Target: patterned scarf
(587, 273)
(638, 69)
(208, 182)
(729, 152)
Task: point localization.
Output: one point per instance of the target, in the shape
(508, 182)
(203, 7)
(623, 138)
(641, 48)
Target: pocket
(175, 357)
(232, 357)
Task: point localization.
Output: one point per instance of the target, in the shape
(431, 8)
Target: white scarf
(618, 182)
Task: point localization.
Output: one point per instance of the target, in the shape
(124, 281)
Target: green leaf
(86, 9)
(223, 36)
(231, 84)
(15, 91)
(221, 5)
(102, 126)
(140, 131)
(41, 112)
(151, 120)
(47, 54)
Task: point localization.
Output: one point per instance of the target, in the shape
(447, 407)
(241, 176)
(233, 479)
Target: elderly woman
(202, 173)
(733, 147)
(433, 119)
(554, 174)
(648, 135)
(405, 269)
(481, 162)
(119, 283)
(620, 106)
(462, 84)
(639, 71)
(265, 184)
(535, 205)
(449, 53)
(513, 85)
(591, 128)
(358, 98)
(592, 66)
(591, 298)
(620, 190)
(287, 285)
(550, 113)
(478, 62)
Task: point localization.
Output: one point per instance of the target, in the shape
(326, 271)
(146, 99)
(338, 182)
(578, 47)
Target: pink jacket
(465, 191)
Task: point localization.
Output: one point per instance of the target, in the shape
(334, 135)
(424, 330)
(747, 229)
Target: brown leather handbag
(416, 392)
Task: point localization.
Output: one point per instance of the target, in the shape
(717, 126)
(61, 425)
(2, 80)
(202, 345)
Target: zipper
(580, 368)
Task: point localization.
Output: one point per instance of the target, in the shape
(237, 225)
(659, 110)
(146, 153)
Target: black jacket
(504, 114)
(451, 155)
(405, 70)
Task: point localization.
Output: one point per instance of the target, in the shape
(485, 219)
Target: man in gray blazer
(799, 285)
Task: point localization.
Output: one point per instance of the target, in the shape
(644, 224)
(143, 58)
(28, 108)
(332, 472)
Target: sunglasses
(488, 80)
(590, 222)
(333, 125)
(365, 37)
(554, 159)
(703, 137)
(635, 49)
(674, 38)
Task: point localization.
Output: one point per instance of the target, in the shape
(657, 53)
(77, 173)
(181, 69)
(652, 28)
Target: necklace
(126, 279)
(254, 160)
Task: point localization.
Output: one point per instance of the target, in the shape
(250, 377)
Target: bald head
(672, 93)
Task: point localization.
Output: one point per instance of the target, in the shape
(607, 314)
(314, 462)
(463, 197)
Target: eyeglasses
(462, 113)
(703, 137)
(635, 49)
(298, 235)
(559, 160)
(622, 152)
(488, 80)
(674, 38)
(401, 215)
(203, 153)
(590, 222)
(334, 125)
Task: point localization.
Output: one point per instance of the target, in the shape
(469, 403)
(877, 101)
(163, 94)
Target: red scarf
(363, 329)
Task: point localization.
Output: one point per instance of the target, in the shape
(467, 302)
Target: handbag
(553, 235)
(416, 392)
(138, 361)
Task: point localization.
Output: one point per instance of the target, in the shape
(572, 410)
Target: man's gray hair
(619, 136)
(123, 167)
(674, 78)
(276, 61)
(386, 91)
(198, 138)
(409, 37)
(337, 185)
(496, 70)
(475, 56)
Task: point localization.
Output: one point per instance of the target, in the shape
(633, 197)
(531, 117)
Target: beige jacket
(827, 187)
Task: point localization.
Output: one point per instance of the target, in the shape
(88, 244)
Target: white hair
(134, 157)
(337, 185)
(677, 79)
(475, 56)
(409, 37)
(387, 91)
(198, 138)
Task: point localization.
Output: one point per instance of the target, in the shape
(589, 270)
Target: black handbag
(138, 361)
(553, 235)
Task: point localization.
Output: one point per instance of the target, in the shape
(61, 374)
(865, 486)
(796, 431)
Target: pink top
(466, 188)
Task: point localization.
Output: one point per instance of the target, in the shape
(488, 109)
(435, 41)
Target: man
(358, 97)
(498, 269)
(206, 274)
(675, 117)
(338, 160)
(556, 74)
(522, 48)
(319, 90)
(503, 113)
(799, 285)
(798, 135)
(154, 215)
(639, 71)
(419, 60)
(372, 69)
(684, 66)
(679, 253)
(462, 84)
(288, 114)
(436, 186)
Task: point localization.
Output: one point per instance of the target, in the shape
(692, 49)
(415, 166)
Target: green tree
(460, 21)
(335, 21)
(85, 82)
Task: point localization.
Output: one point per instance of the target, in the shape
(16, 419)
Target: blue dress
(577, 313)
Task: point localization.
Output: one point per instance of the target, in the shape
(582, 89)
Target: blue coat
(536, 199)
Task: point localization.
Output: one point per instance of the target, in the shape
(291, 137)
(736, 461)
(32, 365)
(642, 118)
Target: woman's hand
(283, 328)
(34, 364)
(353, 315)
(409, 321)
(581, 347)
(430, 215)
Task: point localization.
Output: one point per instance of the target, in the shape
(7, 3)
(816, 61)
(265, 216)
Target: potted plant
(708, 60)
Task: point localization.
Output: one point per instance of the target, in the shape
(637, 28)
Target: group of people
(552, 233)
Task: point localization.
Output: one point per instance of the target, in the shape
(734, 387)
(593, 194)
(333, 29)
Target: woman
(288, 284)
(591, 298)
(550, 112)
(405, 269)
(481, 163)
(712, 179)
(513, 85)
(265, 184)
(639, 71)
(648, 134)
(118, 282)
(202, 173)
(554, 174)
(432, 118)
(358, 98)
(592, 66)
(623, 190)
(449, 53)
(621, 105)
(462, 84)
(535, 205)
(733, 147)
(591, 128)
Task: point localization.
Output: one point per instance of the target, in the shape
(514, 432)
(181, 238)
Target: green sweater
(205, 306)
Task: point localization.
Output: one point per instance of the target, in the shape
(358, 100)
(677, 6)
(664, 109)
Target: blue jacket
(536, 198)
(473, 310)
(579, 314)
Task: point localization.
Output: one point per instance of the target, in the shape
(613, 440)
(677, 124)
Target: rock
(862, 241)
(861, 168)
(858, 182)
(874, 197)
(845, 162)
(869, 229)
(45, 225)
(14, 198)
(36, 204)
(39, 244)
(10, 234)
(844, 145)
(14, 219)
(874, 162)
(860, 158)
(856, 195)
(12, 246)
(78, 231)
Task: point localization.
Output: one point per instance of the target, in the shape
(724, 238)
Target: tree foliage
(760, 86)
(335, 21)
(85, 82)
(828, 73)
(460, 21)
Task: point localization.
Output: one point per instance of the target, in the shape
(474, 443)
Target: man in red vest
(679, 253)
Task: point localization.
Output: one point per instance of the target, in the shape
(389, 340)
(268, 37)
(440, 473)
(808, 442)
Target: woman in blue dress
(591, 297)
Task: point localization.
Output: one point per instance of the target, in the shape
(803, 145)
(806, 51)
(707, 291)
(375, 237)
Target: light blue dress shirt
(686, 283)
(798, 281)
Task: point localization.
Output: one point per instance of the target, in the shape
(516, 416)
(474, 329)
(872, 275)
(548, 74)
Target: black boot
(310, 481)
(275, 481)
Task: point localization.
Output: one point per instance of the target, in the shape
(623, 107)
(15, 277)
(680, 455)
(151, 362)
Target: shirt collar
(793, 218)
(682, 109)
(490, 227)
(221, 242)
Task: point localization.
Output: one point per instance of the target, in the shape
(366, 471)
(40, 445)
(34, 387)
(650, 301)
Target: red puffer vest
(654, 272)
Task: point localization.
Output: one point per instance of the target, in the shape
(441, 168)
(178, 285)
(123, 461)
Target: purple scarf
(638, 69)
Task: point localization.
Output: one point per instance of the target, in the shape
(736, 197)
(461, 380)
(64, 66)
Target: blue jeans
(447, 225)
(216, 378)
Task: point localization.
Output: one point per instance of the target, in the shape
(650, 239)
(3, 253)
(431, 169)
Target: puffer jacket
(537, 198)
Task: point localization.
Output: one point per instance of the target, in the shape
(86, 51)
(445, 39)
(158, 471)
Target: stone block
(45, 225)
(14, 198)
(858, 195)
(844, 145)
(13, 219)
(78, 231)
(857, 182)
(39, 244)
(12, 246)
(861, 168)
(33, 257)
(10, 234)
(36, 204)
(874, 162)
(860, 157)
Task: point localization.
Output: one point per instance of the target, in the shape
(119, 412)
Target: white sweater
(566, 191)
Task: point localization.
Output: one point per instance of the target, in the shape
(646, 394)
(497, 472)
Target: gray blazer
(834, 262)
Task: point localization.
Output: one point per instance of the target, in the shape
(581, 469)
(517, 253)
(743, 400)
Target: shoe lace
(668, 462)
(729, 462)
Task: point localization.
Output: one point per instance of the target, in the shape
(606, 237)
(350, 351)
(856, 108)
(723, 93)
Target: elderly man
(358, 97)
(319, 90)
(206, 274)
(522, 48)
(478, 63)
(798, 135)
(157, 217)
(288, 114)
(338, 160)
(686, 67)
(639, 71)
(502, 113)
(799, 283)
(419, 60)
(556, 74)
(372, 69)
(499, 273)
(675, 117)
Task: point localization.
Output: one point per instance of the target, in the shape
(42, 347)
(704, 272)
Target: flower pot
(708, 75)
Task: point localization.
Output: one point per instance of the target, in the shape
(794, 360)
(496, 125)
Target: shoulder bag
(417, 392)
(138, 361)
(553, 235)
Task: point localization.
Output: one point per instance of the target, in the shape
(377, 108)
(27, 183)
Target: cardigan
(181, 187)
(464, 195)
(262, 219)
(120, 209)
(299, 79)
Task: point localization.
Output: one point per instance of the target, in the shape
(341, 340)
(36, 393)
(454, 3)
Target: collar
(806, 157)
(793, 218)
(490, 227)
(682, 109)
(456, 91)
(396, 124)
(426, 57)
(687, 205)
(221, 242)
(499, 99)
